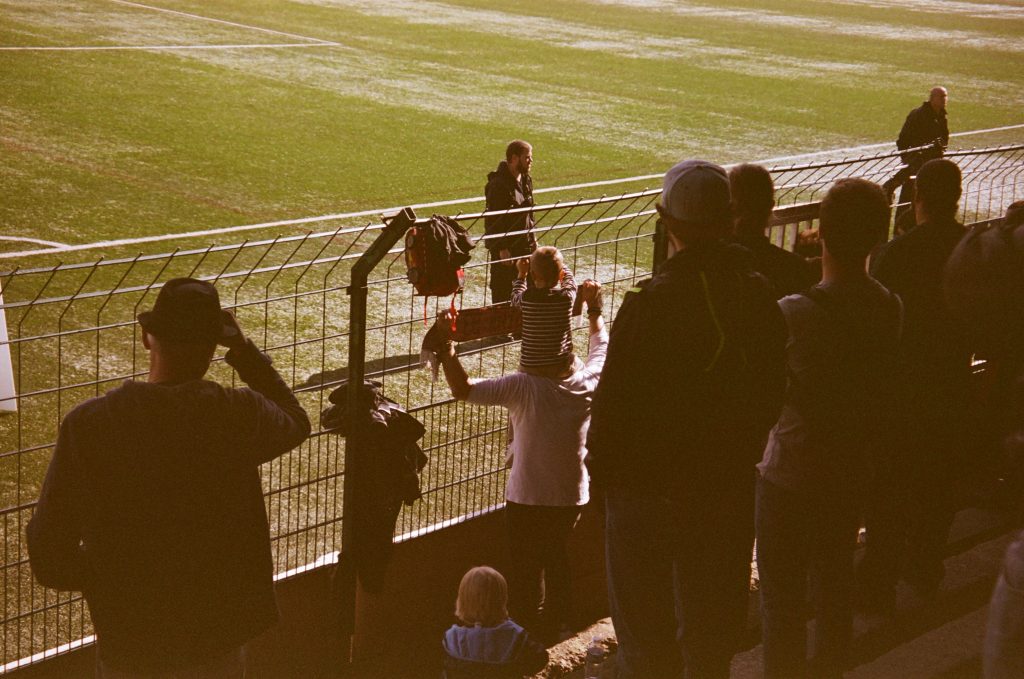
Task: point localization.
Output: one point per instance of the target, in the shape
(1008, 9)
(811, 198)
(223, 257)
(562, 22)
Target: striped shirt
(547, 321)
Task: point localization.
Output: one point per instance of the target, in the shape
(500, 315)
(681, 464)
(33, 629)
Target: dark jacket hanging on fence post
(387, 473)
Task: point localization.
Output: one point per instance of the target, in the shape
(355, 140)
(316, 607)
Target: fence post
(395, 227)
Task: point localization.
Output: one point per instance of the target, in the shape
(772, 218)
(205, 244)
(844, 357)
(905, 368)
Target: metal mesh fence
(72, 336)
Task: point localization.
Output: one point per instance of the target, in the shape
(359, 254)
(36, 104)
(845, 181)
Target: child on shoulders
(547, 312)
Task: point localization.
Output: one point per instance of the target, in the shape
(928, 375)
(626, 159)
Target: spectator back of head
(546, 265)
(695, 204)
(938, 187)
(984, 283)
(854, 218)
(752, 191)
(483, 597)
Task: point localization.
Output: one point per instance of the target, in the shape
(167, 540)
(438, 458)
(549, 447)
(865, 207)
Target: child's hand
(523, 266)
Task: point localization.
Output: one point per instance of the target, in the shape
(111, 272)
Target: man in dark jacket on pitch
(152, 506)
(509, 236)
(924, 125)
(694, 379)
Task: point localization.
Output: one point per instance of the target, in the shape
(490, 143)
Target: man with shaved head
(924, 125)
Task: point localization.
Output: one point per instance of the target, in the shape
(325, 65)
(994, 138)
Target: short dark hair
(938, 187)
(752, 191)
(854, 218)
(517, 148)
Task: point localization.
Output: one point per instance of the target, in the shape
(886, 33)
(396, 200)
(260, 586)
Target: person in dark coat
(509, 236)
(840, 358)
(984, 287)
(933, 413)
(753, 198)
(152, 505)
(693, 382)
(925, 125)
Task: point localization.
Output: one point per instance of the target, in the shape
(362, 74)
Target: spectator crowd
(742, 394)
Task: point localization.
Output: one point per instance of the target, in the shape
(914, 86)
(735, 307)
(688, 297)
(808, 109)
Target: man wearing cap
(693, 381)
(152, 505)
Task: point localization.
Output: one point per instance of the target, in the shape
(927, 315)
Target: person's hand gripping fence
(437, 342)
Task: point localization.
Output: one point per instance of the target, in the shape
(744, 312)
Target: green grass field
(385, 103)
(124, 120)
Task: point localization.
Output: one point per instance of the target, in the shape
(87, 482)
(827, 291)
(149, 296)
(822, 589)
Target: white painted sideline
(217, 21)
(122, 48)
(443, 203)
(37, 241)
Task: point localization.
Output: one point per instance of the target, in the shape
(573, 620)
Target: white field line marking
(442, 203)
(109, 48)
(218, 21)
(51, 243)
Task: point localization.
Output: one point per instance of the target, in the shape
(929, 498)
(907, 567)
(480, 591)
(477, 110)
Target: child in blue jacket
(486, 643)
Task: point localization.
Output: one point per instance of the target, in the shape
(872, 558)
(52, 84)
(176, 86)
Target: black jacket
(923, 126)
(386, 463)
(153, 508)
(501, 193)
(935, 349)
(788, 272)
(694, 378)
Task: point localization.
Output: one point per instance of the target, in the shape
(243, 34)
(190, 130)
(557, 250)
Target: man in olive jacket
(152, 506)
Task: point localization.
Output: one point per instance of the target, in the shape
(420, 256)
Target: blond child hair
(483, 597)
(546, 265)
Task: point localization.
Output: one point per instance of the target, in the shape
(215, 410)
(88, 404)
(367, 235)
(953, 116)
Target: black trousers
(540, 585)
(503, 272)
(679, 579)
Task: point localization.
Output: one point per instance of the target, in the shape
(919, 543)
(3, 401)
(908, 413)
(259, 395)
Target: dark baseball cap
(188, 310)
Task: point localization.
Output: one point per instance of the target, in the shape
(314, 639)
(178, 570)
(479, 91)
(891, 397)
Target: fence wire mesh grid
(73, 335)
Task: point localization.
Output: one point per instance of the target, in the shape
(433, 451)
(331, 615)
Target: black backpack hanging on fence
(434, 255)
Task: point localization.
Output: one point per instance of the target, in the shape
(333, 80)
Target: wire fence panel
(73, 335)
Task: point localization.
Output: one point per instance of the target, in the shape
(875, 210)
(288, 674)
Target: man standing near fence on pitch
(152, 506)
(924, 125)
(510, 235)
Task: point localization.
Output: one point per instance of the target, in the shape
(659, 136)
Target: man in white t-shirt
(548, 483)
